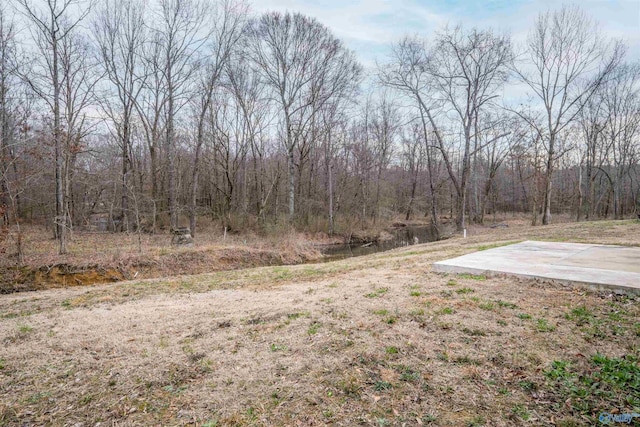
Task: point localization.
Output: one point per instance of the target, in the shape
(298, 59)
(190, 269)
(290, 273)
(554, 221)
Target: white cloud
(370, 26)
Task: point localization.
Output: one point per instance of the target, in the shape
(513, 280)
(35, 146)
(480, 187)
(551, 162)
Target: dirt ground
(377, 340)
(96, 258)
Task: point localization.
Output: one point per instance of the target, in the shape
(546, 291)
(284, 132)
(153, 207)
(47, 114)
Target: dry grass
(103, 258)
(92, 248)
(378, 340)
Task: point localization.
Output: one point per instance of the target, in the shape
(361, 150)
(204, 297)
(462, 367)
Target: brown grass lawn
(379, 340)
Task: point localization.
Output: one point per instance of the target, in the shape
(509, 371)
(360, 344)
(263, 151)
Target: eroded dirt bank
(178, 262)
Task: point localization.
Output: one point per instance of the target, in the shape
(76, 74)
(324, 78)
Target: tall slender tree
(181, 35)
(228, 25)
(568, 59)
(119, 30)
(52, 23)
(305, 66)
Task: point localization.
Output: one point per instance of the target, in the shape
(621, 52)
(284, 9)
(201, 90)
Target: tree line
(156, 114)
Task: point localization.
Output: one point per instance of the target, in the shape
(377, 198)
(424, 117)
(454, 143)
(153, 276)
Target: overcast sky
(369, 26)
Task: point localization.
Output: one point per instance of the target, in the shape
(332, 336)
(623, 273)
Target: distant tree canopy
(167, 113)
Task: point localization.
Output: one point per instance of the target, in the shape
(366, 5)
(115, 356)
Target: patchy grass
(313, 328)
(505, 304)
(479, 277)
(24, 329)
(278, 347)
(543, 325)
(342, 343)
(596, 385)
(379, 292)
(489, 306)
(496, 245)
(445, 310)
(391, 350)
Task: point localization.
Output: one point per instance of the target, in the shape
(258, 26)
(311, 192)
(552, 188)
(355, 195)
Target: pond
(402, 236)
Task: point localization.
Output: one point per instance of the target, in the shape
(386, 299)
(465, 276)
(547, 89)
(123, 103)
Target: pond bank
(95, 267)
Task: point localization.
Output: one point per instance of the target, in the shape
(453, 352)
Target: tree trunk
(61, 221)
(331, 226)
(580, 194)
(430, 167)
(196, 170)
(194, 186)
(461, 205)
(171, 163)
(125, 173)
(412, 197)
(292, 185)
(546, 218)
(4, 146)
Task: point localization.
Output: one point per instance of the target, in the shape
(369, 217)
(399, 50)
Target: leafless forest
(133, 115)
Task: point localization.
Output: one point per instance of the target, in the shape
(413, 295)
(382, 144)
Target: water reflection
(402, 236)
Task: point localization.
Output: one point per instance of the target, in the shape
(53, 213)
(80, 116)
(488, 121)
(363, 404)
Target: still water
(403, 236)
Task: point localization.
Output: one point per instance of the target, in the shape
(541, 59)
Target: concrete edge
(439, 267)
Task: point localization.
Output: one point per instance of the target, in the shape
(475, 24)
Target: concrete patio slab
(602, 267)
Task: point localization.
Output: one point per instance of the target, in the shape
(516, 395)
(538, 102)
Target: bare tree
(385, 126)
(53, 23)
(462, 73)
(413, 154)
(149, 108)
(228, 23)
(305, 66)
(77, 95)
(506, 134)
(119, 29)
(249, 93)
(621, 98)
(592, 119)
(469, 68)
(8, 74)
(407, 72)
(568, 60)
(180, 36)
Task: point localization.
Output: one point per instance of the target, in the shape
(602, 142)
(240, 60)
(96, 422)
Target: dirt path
(378, 340)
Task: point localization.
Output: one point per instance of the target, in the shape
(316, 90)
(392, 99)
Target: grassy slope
(378, 340)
